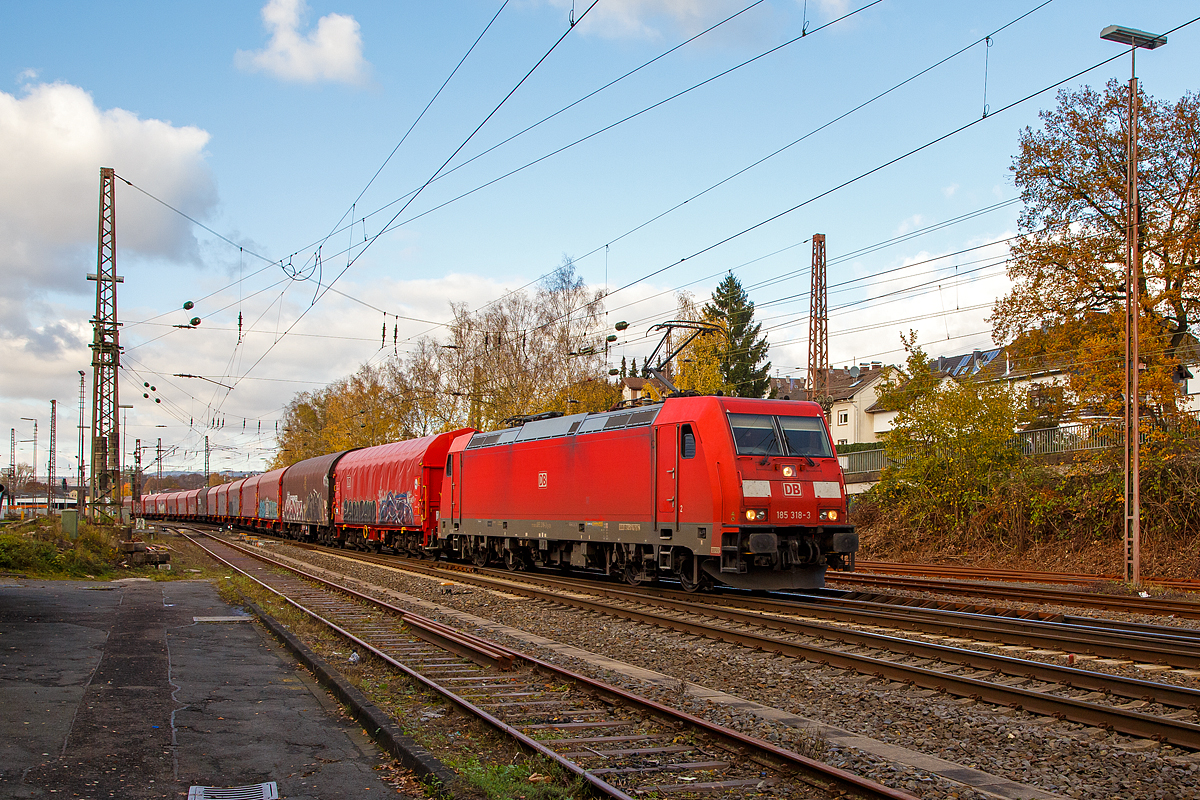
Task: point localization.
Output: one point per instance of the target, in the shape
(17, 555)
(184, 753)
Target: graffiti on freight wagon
(395, 508)
(392, 508)
(268, 508)
(360, 512)
(311, 509)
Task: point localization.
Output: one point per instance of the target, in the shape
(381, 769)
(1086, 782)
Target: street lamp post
(1133, 500)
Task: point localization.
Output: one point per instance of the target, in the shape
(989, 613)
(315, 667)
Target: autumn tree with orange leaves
(1068, 268)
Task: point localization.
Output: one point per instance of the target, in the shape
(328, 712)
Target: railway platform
(146, 689)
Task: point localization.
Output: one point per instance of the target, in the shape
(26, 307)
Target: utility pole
(80, 492)
(50, 464)
(206, 462)
(818, 326)
(159, 461)
(106, 359)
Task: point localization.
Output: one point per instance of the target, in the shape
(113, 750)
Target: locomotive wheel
(633, 577)
(512, 561)
(685, 569)
(481, 557)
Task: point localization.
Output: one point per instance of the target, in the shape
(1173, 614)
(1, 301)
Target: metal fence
(1073, 438)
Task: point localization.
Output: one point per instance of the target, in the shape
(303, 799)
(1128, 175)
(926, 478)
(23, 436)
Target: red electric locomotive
(743, 492)
(709, 490)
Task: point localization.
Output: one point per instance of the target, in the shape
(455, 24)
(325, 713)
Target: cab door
(454, 473)
(666, 474)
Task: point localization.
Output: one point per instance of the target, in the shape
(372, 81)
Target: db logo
(791, 490)
(544, 480)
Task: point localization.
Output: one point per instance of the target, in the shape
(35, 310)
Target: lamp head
(1133, 37)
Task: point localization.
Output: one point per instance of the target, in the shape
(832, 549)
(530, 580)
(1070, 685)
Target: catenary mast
(106, 360)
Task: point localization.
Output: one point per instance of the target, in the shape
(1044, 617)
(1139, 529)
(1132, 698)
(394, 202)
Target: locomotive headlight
(829, 514)
(756, 514)
(789, 471)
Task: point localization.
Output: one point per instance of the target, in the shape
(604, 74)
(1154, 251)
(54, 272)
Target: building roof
(789, 388)
(844, 386)
(966, 364)
(639, 384)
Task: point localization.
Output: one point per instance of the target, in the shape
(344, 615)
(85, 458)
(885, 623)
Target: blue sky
(266, 121)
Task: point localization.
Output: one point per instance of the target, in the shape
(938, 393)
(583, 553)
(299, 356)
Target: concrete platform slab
(121, 694)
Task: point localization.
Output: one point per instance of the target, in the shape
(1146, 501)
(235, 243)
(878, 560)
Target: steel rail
(733, 739)
(1185, 654)
(1081, 635)
(988, 573)
(1177, 647)
(570, 766)
(1124, 720)
(1019, 576)
(1133, 605)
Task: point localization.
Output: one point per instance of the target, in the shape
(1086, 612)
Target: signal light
(829, 514)
(789, 471)
(756, 514)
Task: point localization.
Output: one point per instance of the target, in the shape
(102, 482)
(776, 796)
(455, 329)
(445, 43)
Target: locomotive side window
(806, 437)
(687, 442)
(754, 435)
(449, 465)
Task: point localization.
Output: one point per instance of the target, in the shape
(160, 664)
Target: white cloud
(910, 224)
(950, 190)
(332, 51)
(829, 8)
(55, 141)
(27, 75)
(646, 19)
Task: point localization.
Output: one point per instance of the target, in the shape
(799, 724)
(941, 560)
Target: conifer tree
(743, 359)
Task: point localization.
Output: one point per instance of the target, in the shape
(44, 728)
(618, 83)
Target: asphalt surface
(115, 690)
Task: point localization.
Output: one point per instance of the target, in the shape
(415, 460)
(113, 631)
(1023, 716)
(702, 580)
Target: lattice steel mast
(106, 360)
(818, 326)
(50, 465)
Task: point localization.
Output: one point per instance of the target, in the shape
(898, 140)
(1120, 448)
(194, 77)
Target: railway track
(1141, 708)
(621, 744)
(1083, 637)
(1023, 594)
(1012, 575)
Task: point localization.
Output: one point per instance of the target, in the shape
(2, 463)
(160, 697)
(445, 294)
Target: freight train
(706, 490)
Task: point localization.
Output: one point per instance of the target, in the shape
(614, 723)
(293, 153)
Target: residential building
(854, 391)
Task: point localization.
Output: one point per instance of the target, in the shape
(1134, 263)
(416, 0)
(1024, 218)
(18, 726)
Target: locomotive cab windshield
(767, 435)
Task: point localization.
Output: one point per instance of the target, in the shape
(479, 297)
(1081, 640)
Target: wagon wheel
(513, 561)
